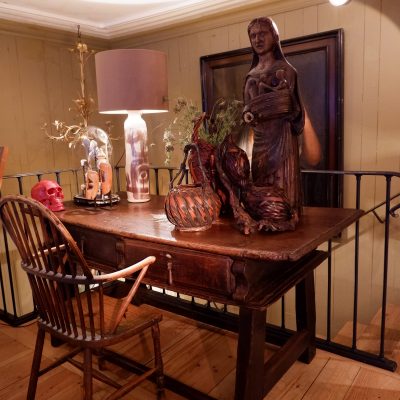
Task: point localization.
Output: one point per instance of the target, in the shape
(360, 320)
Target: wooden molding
(182, 20)
(49, 34)
(243, 13)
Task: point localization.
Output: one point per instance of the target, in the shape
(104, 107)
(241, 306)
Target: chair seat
(135, 320)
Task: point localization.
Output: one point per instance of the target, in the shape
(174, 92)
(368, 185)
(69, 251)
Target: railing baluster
(283, 319)
(3, 291)
(157, 181)
(329, 305)
(118, 178)
(21, 191)
(356, 262)
(58, 177)
(9, 270)
(75, 174)
(385, 267)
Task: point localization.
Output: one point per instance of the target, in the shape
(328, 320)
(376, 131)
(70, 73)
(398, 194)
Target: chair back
(56, 268)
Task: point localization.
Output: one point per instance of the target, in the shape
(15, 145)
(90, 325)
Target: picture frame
(318, 59)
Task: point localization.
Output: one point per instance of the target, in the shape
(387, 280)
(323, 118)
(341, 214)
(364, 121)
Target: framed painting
(318, 59)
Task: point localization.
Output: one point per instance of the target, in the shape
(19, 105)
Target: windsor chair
(71, 301)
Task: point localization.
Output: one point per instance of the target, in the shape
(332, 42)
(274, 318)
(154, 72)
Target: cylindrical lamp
(133, 82)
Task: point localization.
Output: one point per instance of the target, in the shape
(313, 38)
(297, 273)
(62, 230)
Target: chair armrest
(141, 266)
(112, 276)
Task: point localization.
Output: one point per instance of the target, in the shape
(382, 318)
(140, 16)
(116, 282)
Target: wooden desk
(221, 265)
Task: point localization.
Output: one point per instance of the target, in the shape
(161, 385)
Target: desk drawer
(188, 271)
(182, 269)
(97, 246)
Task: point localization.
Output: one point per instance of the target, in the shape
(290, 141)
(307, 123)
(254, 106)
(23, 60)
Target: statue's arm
(248, 94)
(297, 116)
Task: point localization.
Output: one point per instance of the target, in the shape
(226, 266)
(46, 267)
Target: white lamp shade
(131, 79)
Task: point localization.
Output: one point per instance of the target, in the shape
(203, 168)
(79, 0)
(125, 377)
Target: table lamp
(133, 82)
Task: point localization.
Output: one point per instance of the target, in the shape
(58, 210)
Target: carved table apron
(221, 265)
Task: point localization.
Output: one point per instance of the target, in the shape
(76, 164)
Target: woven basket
(191, 207)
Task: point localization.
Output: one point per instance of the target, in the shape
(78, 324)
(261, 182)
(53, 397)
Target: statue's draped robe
(275, 157)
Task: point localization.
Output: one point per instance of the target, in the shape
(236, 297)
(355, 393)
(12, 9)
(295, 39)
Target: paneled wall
(39, 78)
(371, 115)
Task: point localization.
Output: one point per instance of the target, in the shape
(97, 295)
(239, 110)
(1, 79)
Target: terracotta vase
(202, 167)
(201, 160)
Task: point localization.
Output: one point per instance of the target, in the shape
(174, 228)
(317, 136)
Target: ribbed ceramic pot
(191, 207)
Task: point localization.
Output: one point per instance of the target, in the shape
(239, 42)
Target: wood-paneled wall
(39, 78)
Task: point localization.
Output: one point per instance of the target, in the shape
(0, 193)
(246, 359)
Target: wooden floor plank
(372, 385)
(173, 329)
(297, 380)
(334, 381)
(200, 356)
(201, 360)
(57, 384)
(224, 390)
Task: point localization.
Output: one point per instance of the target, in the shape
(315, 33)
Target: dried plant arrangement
(83, 106)
(224, 117)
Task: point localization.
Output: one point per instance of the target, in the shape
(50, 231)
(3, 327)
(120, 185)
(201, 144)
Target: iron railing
(356, 183)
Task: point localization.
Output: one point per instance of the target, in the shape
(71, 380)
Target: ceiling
(114, 18)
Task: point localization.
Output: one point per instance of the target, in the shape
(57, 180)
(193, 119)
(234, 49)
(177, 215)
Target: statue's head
(267, 26)
(266, 23)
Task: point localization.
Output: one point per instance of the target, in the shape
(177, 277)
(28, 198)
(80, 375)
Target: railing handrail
(352, 172)
(170, 167)
(38, 173)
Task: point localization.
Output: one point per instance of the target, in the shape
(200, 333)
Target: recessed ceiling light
(132, 2)
(339, 2)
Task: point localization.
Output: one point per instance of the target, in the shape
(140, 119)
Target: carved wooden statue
(274, 109)
(271, 198)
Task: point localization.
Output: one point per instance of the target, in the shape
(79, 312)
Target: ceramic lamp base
(136, 164)
(133, 198)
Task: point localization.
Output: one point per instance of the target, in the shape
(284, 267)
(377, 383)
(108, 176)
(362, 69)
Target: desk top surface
(147, 222)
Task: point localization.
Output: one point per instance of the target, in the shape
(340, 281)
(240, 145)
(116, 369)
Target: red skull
(50, 194)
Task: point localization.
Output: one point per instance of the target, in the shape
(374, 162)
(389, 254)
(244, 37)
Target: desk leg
(305, 313)
(250, 355)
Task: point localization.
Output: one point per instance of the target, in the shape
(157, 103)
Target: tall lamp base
(136, 164)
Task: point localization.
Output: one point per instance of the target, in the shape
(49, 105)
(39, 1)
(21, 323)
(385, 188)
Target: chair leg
(101, 362)
(37, 357)
(155, 332)
(87, 374)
